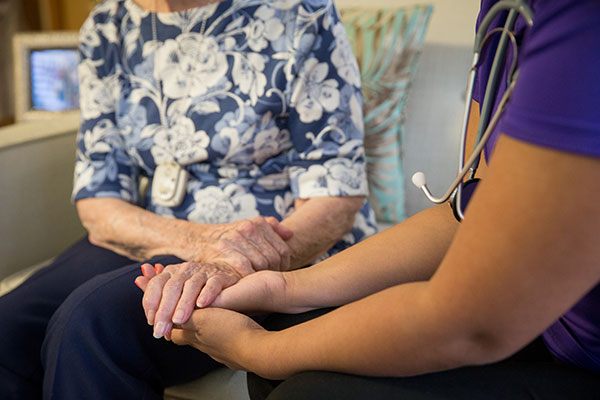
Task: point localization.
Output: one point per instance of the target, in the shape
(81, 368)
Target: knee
(77, 317)
(24, 320)
(92, 317)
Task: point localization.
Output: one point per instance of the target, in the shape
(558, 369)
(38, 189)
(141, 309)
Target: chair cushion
(13, 281)
(220, 384)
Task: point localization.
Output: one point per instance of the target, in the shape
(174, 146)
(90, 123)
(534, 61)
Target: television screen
(54, 85)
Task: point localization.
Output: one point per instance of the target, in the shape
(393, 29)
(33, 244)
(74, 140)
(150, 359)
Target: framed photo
(45, 70)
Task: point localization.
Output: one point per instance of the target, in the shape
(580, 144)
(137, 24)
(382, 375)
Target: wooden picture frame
(63, 14)
(30, 44)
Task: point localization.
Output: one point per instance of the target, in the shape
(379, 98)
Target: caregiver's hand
(264, 291)
(172, 293)
(225, 335)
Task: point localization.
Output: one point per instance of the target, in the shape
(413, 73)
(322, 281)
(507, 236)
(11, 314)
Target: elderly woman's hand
(172, 293)
(247, 246)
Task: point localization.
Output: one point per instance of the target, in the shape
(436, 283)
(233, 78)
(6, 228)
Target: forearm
(408, 252)
(318, 223)
(134, 232)
(484, 302)
(392, 333)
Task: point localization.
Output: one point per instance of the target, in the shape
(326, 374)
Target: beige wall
(452, 21)
(37, 219)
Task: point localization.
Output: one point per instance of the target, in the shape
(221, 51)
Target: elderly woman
(245, 118)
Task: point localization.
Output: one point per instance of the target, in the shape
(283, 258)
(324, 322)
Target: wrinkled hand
(263, 291)
(249, 245)
(172, 293)
(224, 335)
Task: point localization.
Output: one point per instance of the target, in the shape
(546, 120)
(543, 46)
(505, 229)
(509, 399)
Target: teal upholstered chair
(387, 42)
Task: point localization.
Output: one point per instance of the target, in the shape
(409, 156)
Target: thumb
(182, 337)
(283, 231)
(230, 298)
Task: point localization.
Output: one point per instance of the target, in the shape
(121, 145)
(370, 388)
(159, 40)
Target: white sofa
(37, 220)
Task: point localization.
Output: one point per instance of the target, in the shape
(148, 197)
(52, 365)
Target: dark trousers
(76, 330)
(532, 373)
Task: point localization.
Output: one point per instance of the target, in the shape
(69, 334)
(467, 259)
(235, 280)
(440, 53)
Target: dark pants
(76, 330)
(532, 373)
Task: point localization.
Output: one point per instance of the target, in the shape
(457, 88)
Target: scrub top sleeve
(325, 108)
(557, 96)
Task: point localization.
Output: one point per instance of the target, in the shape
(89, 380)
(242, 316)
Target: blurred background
(451, 24)
(32, 15)
(37, 220)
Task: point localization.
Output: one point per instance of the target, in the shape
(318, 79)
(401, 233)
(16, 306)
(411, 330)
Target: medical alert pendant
(169, 184)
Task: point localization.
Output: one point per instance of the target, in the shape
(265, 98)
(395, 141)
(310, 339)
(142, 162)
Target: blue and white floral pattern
(258, 99)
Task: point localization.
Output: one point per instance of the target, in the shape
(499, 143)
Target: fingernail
(151, 315)
(137, 284)
(178, 317)
(159, 330)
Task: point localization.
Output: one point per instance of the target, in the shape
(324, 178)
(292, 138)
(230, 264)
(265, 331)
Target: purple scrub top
(556, 104)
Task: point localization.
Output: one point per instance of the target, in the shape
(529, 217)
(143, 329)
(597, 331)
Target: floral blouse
(259, 100)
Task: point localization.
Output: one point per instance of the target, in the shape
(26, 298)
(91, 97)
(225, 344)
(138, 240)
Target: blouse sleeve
(325, 108)
(102, 168)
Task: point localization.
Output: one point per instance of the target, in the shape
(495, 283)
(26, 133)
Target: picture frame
(45, 74)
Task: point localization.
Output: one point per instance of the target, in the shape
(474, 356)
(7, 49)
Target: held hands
(231, 252)
(224, 335)
(227, 336)
(228, 253)
(172, 293)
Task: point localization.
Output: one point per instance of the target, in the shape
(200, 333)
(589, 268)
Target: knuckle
(189, 265)
(284, 251)
(222, 245)
(264, 222)
(172, 268)
(173, 285)
(153, 285)
(243, 267)
(148, 303)
(196, 279)
(247, 227)
(235, 237)
(244, 262)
